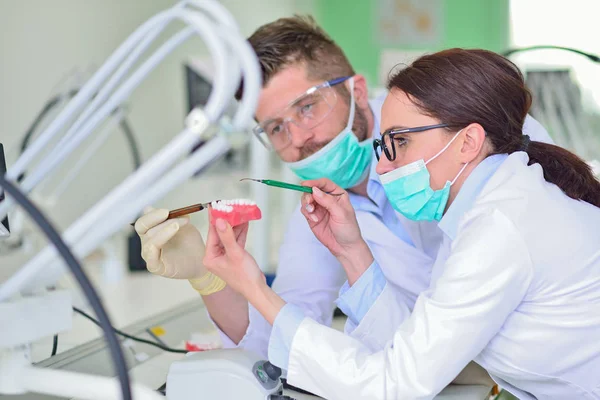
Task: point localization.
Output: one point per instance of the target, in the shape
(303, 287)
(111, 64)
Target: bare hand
(226, 257)
(331, 217)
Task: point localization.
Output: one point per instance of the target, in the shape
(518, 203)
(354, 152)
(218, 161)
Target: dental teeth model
(236, 212)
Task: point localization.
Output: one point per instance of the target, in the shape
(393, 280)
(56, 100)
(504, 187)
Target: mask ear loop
(445, 147)
(352, 105)
(459, 174)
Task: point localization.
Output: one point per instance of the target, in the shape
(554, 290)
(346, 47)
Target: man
(315, 113)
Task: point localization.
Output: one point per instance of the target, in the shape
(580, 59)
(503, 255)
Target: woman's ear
(361, 95)
(474, 140)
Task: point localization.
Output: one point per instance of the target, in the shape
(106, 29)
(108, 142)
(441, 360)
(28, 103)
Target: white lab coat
(517, 290)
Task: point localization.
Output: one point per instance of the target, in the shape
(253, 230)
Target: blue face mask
(344, 160)
(409, 191)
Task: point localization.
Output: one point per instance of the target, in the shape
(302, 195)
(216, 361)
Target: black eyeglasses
(387, 139)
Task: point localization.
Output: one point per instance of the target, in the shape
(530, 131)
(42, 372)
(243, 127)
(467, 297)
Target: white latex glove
(175, 249)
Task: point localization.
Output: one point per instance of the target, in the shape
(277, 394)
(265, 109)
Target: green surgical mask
(344, 160)
(409, 191)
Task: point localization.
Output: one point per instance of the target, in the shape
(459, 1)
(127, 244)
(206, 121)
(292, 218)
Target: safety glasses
(386, 143)
(306, 111)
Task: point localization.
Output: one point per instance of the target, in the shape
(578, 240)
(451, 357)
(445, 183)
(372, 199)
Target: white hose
(214, 108)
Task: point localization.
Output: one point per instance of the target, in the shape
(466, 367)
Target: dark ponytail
(567, 171)
(459, 87)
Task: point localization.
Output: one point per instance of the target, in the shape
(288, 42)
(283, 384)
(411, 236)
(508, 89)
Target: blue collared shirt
(355, 301)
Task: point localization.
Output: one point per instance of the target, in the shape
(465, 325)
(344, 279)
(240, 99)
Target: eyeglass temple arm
(338, 80)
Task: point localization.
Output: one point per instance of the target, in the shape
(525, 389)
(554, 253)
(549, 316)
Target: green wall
(467, 23)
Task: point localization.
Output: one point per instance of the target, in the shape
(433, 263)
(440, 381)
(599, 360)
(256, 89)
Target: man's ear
(361, 95)
(474, 140)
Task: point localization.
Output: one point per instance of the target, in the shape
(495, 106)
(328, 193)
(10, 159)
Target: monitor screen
(198, 88)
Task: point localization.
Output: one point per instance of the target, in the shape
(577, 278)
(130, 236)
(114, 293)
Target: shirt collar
(468, 193)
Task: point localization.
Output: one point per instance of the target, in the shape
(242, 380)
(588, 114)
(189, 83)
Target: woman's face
(399, 112)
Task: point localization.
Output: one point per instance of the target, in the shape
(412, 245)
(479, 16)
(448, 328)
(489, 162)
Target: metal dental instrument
(284, 185)
(180, 212)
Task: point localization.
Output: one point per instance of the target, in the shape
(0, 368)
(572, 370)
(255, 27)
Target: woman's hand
(332, 219)
(226, 257)
(331, 216)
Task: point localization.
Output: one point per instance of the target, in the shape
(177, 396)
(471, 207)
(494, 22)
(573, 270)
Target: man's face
(285, 87)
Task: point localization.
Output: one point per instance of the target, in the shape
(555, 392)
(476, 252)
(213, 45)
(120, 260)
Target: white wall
(42, 40)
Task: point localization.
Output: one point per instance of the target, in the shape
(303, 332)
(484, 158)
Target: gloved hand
(174, 249)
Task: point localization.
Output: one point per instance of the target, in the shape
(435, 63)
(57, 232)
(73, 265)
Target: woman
(516, 284)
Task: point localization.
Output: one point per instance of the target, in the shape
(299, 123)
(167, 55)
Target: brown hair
(459, 87)
(298, 40)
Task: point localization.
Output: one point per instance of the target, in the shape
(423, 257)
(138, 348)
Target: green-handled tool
(284, 185)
